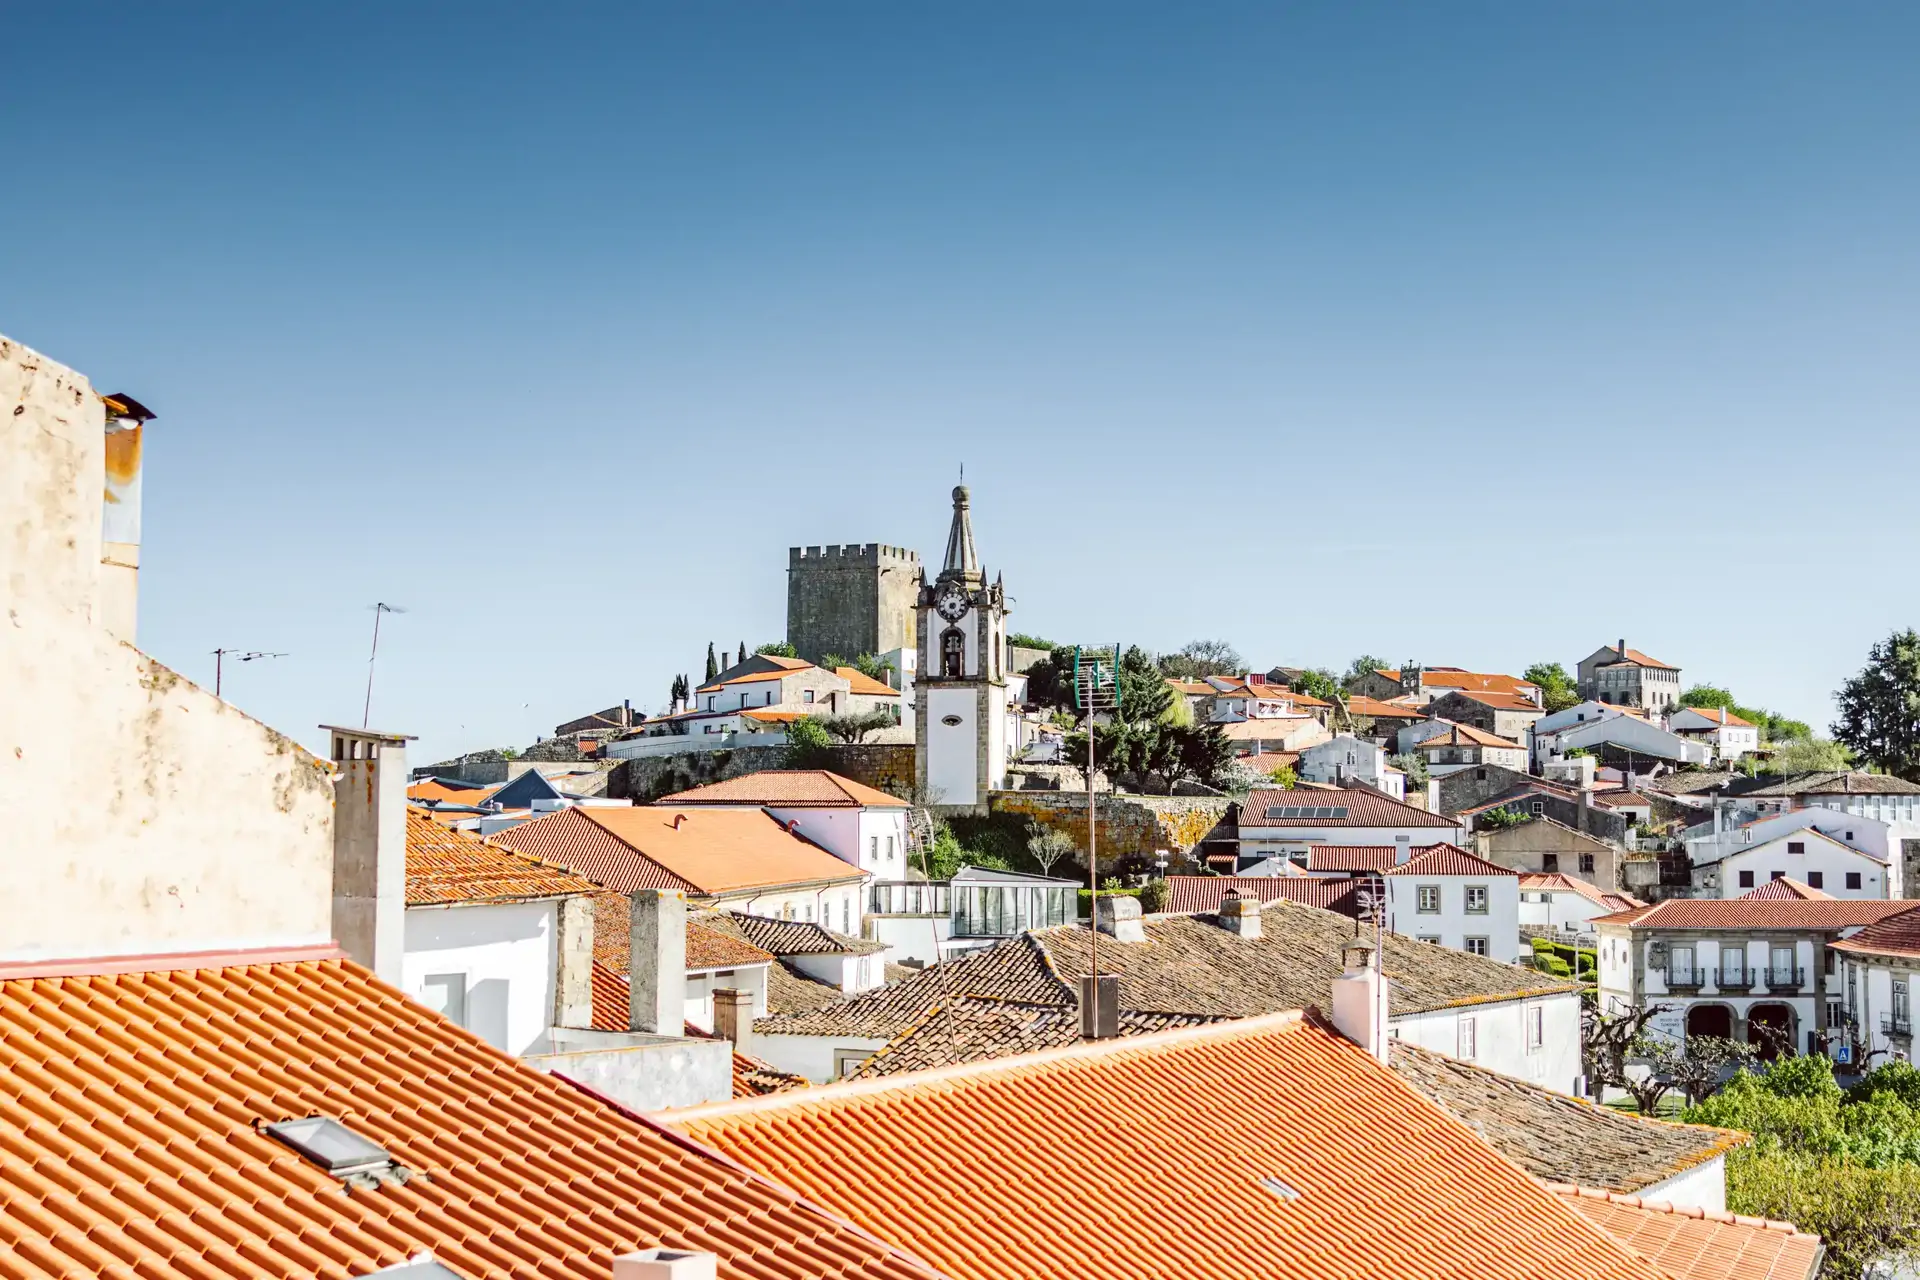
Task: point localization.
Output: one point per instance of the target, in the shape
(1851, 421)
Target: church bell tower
(960, 690)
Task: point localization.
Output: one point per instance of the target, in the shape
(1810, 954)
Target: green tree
(1144, 695)
(1499, 819)
(1023, 640)
(713, 664)
(855, 727)
(778, 649)
(1364, 665)
(1198, 658)
(1316, 682)
(1812, 755)
(1284, 777)
(743, 653)
(1414, 765)
(832, 661)
(1048, 846)
(1706, 695)
(1206, 752)
(1557, 688)
(1880, 708)
(809, 745)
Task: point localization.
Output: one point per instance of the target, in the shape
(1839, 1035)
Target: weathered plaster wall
(1128, 825)
(137, 811)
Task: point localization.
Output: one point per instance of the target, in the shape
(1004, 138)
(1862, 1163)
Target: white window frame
(455, 1010)
(1534, 1016)
(1467, 1040)
(1486, 900)
(1423, 894)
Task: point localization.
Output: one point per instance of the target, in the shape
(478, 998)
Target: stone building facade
(852, 599)
(1548, 847)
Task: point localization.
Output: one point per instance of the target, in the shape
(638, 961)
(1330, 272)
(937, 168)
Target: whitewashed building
(1345, 758)
(1449, 897)
(1557, 903)
(1816, 860)
(1288, 823)
(1878, 969)
(860, 825)
(1728, 735)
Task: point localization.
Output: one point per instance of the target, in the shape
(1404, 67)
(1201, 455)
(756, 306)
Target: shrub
(1086, 898)
(1543, 945)
(1899, 1079)
(1553, 965)
(1153, 896)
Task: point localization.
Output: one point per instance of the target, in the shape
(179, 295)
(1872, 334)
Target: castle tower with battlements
(852, 599)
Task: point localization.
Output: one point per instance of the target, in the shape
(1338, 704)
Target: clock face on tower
(951, 602)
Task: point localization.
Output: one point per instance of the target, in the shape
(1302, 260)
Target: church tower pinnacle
(962, 560)
(962, 711)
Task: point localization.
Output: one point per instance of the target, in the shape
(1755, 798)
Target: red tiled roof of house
(445, 866)
(1473, 681)
(1360, 705)
(1699, 1244)
(1785, 887)
(1556, 882)
(861, 683)
(1449, 860)
(1748, 913)
(442, 792)
(1719, 715)
(1895, 935)
(752, 1078)
(704, 851)
(1319, 1162)
(1622, 799)
(790, 789)
(1206, 893)
(1465, 735)
(1351, 857)
(132, 1101)
(710, 943)
(1633, 657)
(1365, 808)
(1500, 701)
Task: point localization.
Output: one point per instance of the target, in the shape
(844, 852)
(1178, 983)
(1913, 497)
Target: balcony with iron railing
(1897, 1024)
(1736, 979)
(1779, 980)
(1679, 979)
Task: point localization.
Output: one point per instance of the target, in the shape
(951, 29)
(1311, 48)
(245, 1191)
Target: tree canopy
(1557, 688)
(1023, 640)
(1812, 755)
(1198, 658)
(778, 649)
(1364, 665)
(1880, 708)
(1316, 682)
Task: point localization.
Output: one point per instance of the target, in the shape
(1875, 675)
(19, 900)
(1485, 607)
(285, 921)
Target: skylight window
(334, 1147)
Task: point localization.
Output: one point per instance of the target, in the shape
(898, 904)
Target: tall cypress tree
(743, 651)
(713, 665)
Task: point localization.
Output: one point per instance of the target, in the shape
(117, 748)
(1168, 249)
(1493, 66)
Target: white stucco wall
(1500, 1037)
(1702, 1187)
(1452, 924)
(1820, 859)
(1557, 909)
(951, 770)
(812, 1056)
(506, 955)
(142, 814)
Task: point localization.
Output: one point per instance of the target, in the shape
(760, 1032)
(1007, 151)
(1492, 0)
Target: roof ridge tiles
(1699, 1212)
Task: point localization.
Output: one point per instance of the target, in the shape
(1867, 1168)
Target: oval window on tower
(952, 722)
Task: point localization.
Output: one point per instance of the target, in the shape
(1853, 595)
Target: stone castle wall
(1129, 826)
(852, 599)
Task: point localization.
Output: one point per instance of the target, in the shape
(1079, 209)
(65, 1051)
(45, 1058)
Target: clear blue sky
(1476, 334)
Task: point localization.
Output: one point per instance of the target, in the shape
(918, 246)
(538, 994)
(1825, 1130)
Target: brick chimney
(1360, 999)
(657, 962)
(733, 1017)
(1119, 915)
(1240, 914)
(370, 848)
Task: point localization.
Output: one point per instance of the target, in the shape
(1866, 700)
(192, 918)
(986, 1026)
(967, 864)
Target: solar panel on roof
(1310, 811)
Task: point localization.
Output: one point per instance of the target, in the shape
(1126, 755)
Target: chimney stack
(1119, 915)
(1099, 1009)
(370, 848)
(733, 1017)
(1360, 999)
(657, 962)
(120, 516)
(1623, 648)
(1240, 915)
(666, 1264)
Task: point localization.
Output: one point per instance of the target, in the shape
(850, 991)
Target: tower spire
(962, 560)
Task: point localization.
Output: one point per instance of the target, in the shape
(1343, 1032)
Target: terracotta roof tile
(703, 851)
(445, 867)
(752, 1078)
(1351, 857)
(1558, 1138)
(1499, 701)
(1360, 705)
(1699, 1244)
(1364, 808)
(441, 791)
(1465, 735)
(799, 937)
(1894, 935)
(789, 789)
(1449, 860)
(1205, 893)
(790, 992)
(1832, 914)
(130, 1103)
(972, 1030)
(1829, 782)
(1719, 715)
(1319, 1163)
(1785, 887)
(709, 944)
(861, 683)
(1471, 681)
(1632, 657)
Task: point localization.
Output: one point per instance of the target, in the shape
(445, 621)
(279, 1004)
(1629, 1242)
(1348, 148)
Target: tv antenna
(379, 608)
(220, 658)
(1096, 689)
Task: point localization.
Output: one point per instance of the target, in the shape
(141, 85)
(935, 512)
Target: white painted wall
(1452, 924)
(818, 1058)
(1820, 858)
(702, 983)
(1500, 1037)
(140, 813)
(504, 956)
(951, 771)
(1558, 909)
(1268, 842)
(1702, 1187)
(1869, 835)
(839, 907)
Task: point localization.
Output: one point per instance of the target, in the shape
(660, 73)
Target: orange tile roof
(1719, 715)
(702, 851)
(1465, 735)
(445, 867)
(1319, 1164)
(1364, 808)
(1633, 658)
(1449, 860)
(774, 715)
(1500, 701)
(1555, 882)
(1830, 915)
(129, 1104)
(790, 789)
(1472, 681)
(1700, 1244)
(1785, 887)
(1206, 893)
(1360, 705)
(1896, 935)
(860, 682)
(1350, 857)
(447, 793)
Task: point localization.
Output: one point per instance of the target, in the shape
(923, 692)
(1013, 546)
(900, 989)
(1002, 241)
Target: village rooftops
(1351, 858)
(612, 1012)
(1498, 700)
(1187, 965)
(1825, 782)
(1343, 807)
(1465, 735)
(1317, 1162)
(138, 1099)
(1785, 887)
(967, 1029)
(1555, 882)
(1449, 860)
(1829, 916)
(799, 937)
(1451, 678)
(1719, 715)
(1632, 658)
(704, 851)
(1206, 893)
(1558, 1138)
(1699, 1244)
(1895, 935)
(1360, 705)
(861, 683)
(789, 789)
(448, 868)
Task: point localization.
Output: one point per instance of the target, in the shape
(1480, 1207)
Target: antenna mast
(366, 712)
(1096, 688)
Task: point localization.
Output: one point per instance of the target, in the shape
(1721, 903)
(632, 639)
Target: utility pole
(220, 659)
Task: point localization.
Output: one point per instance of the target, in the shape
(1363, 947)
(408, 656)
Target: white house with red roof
(858, 824)
(1561, 903)
(1878, 967)
(1729, 735)
(1287, 823)
(1814, 859)
(1451, 898)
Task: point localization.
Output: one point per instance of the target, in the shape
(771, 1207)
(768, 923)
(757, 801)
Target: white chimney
(1360, 999)
(1119, 914)
(657, 963)
(733, 1017)
(1240, 915)
(666, 1264)
(370, 848)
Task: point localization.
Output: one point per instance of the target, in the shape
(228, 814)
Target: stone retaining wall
(644, 779)
(1129, 825)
